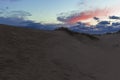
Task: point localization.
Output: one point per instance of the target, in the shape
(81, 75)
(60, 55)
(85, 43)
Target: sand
(27, 54)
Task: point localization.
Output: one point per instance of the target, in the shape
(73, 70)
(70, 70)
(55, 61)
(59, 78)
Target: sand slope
(27, 54)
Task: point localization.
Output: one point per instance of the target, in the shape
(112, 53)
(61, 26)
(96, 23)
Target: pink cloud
(83, 16)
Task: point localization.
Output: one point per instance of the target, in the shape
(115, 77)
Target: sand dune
(27, 54)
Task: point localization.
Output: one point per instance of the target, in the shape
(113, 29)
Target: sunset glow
(89, 15)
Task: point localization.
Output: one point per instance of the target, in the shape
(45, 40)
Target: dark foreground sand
(43, 55)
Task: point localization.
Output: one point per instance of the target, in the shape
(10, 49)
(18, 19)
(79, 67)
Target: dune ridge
(27, 54)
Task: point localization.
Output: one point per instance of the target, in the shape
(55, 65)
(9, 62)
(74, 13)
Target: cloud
(20, 19)
(102, 27)
(20, 22)
(13, 17)
(96, 18)
(1, 11)
(116, 24)
(83, 16)
(104, 23)
(114, 17)
(82, 3)
(18, 14)
(12, 21)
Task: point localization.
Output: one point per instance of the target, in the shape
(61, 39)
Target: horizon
(46, 11)
(54, 13)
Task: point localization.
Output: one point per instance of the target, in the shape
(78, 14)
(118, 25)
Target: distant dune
(27, 54)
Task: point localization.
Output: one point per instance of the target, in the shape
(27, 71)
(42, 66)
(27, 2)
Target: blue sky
(47, 10)
(87, 16)
(42, 10)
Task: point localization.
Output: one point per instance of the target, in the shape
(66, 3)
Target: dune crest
(27, 54)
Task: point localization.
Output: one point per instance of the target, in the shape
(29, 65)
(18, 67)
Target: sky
(41, 10)
(53, 12)
(47, 11)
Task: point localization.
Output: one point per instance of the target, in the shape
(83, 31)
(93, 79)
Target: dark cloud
(12, 21)
(96, 18)
(114, 17)
(62, 19)
(65, 17)
(104, 23)
(102, 27)
(13, 17)
(20, 18)
(116, 24)
(20, 22)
